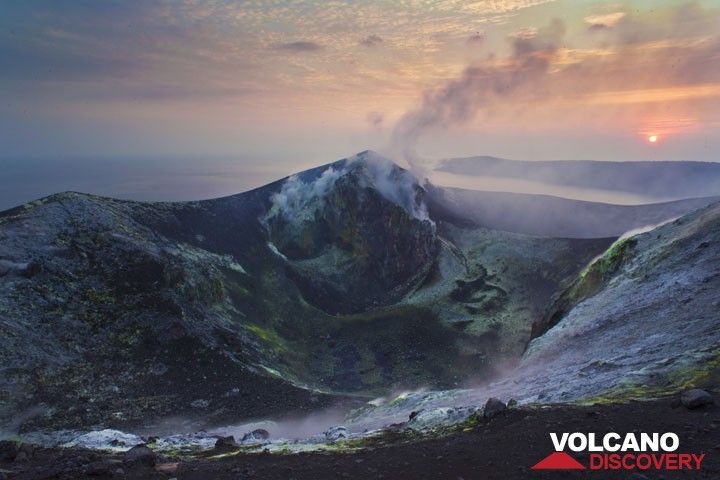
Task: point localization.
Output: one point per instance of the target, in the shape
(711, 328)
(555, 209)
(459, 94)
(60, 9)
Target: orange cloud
(607, 20)
(653, 95)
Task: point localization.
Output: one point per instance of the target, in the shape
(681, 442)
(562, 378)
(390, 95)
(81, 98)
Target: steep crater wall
(349, 246)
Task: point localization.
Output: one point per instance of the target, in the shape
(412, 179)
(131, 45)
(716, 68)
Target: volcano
(334, 286)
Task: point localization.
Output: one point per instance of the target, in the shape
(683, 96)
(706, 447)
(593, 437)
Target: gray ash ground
(504, 447)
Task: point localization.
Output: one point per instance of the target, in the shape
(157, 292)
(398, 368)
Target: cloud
(20, 63)
(689, 20)
(172, 92)
(595, 27)
(476, 39)
(65, 60)
(371, 41)
(460, 99)
(302, 46)
(108, 51)
(600, 22)
(643, 62)
(525, 33)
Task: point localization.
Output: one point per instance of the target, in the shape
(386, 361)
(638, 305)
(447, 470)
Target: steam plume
(460, 99)
(298, 200)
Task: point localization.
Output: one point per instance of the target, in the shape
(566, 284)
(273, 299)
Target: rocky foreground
(504, 446)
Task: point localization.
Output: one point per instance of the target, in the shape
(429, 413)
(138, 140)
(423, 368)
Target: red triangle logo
(558, 461)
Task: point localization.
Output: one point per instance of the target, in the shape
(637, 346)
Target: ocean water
(199, 177)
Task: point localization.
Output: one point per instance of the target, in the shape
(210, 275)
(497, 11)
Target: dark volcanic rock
(106, 303)
(25, 452)
(362, 240)
(257, 435)
(336, 433)
(503, 449)
(594, 279)
(226, 444)
(102, 467)
(122, 290)
(493, 407)
(8, 450)
(696, 398)
(140, 454)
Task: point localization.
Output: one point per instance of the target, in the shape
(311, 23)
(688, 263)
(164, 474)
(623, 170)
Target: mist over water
(197, 178)
(515, 185)
(137, 178)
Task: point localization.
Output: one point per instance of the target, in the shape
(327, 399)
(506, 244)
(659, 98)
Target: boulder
(493, 407)
(257, 435)
(141, 454)
(432, 418)
(8, 450)
(334, 434)
(696, 398)
(30, 270)
(102, 468)
(101, 439)
(25, 452)
(226, 444)
(22, 457)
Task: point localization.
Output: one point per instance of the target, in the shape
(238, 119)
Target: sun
(653, 138)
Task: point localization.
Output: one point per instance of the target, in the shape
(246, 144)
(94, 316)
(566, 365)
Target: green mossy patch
(675, 380)
(269, 337)
(590, 281)
(597, 274)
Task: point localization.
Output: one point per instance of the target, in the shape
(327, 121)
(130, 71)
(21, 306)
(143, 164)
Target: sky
(243, 92)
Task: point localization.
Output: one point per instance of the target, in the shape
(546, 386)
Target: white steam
(295, 195)
(394, 184)
(12, 429)
(646, 228)
(298, 200)
(459, 100)
(291, 428)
